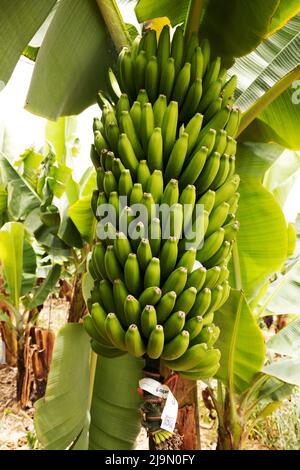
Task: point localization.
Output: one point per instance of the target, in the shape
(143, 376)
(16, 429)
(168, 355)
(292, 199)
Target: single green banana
(91, 329)
(134, 342)
(149, 204)
(99, 318)
(191, 44)
(210, 95)
(147, 125)
(208, 173)
(192, 101)
(150, 45)
(112, 266)
(189, 359)
(123, 104)
(98, 260)
(144, 254)
(99, 142)
(207, 200)
(155, 236)
(155, 185)
(177, 157)
(115, 332)
(120, 294)
(167, 79)
(188, 259)
(94, 156)
(177, 48)
(182, 82)
(194, 168)
(231, 166)
(194, 325)
(125, 183)
(143, 173)
(152, 79)
(156, 341)
(94, 201)
(212, 73)
(142, 97)
(176, 281)
(128, 128)
(150, 296)
(171, 193)
(169, 128)
(205, 48)
(109, 182)
(218, 122)
(221, 142)
(186, 300)
(136, 194)
(193, 129)
(201, 304)
(212, 277)
(174, 223)
(211, 245)
(213, 109)
(127, 72)
(224, 274)
(140, 65)
(159, 109)
(220, 256)
(207, 139)
(227, 190)
(222, 172)
(152, 273)
(229, 88)
(113, 200)
(176, 347)
(208, 318)
(197, 65)
(196, 278)
(188, 200)
(127, 154)
(231, 231)
(117, 168)
(106, 295)
(132, 310)
(163, 49)
(155, 150)
(148, 320)
(122, 247)
(132, 275)
(136, 114)
(201, 374)
(233, 122)
(165, 306)
(173, 325)
(168, 257)
(216, 298)
(217, 218)
(105, 351)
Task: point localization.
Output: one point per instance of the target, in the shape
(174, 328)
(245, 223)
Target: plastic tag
(169, 414)
(154, 387)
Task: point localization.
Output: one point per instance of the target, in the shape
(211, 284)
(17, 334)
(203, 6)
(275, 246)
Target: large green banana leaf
(81, 214)
(62, 417)
(115, 417)
(262, 241)
(62, 134)
(287, 341)
(278, 119)
(18, 261)
(285, 11)
(61, 414)
(241, 343)
(41, 293)
(72, 61)
(19, 21)
(287, 370)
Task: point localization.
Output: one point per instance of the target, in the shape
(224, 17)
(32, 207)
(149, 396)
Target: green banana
(217, 218)
(115, 332)
(127, 154)
(163, 48)
(171, 193)
(186, 300)
(155, 150)
(189, 359)
(94, 156)
(112, 266)
(132, 310)
(142, 97)
(165, 306)
(134, 342)
(174, 223)
(227, 190)
(99, 318)
(213, 109)
(155, 236)
(148, 320)
(159, 109)
(127, 72)
(231, 231)
(140, 65)
(231, 166)
(90, 328)
(109, 182)
(208, 318)
(211, 245)
(207, 200)
(144, 254)
(221, 142)
(192, 100)
(212, 277)
(99, 142)
(132, 274)
(155, 185)
(120, 294)
(201, 304)
(220, 256)
(196, 278)
(106, 233)
(152, 273)
(127, 127)
(229, 87)
(216, 298)
(113, 200)
(231, 146)
(194, 325)
(208, 335)
(155, 344)
(187, 260)
(224, 274)
(218, 122)
(125, 183)
(190, 45)
(122, 247)
(209, 173)
(106, 295)
(222, 172)
(105, 351)
(193, 129)
(123, 104)
(176, 281)
(169, 127)
(233, 122)
(98, 260)
(181, 85)
(149, 204)
(150, 45)
(152, 78)
(212, 73)
(167, 78)
(205, 48)
(173, 325)
(136, 194)
(136, 114)
(197, 65)
(188, 200)
(117, 168)
(210, 95)
(194, 167)
(177, 157)
(168, 257)
(150, 296)
(207, 139)
(143, 173)
(177, 48)
(176, 347)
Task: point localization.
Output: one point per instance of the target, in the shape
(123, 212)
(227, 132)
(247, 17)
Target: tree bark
(77, 306)
(188, 415)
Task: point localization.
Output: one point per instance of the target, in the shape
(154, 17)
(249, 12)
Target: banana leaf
(287, 341)
(240, 360)
(71, 63)
(49, 283)
(286, 370)
(286, 10)
(19, 21)
(81, 214)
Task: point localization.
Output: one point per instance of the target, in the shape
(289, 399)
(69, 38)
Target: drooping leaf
(262, 240)
(67, 73)
(285, 11)
(61, 414)
(115, 416)
(83, 217)
(275, 390)
(287, 370)
(175, 11)
(28, 268)
(22, 199)
(19, 21)
(287, 341)
(240, 361)
(61, 134)
(42, 292)
(254, 159)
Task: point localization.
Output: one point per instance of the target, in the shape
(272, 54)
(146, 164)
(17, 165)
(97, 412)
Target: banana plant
(259, 251)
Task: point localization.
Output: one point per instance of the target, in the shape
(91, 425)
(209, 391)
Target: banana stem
(93, 364)
(193, 18)
(114, 22)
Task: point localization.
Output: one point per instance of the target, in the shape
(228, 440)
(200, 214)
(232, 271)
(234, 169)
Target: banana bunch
(165, 138)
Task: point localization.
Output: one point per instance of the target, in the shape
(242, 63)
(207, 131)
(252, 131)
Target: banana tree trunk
(188, 415)
(77, 306)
